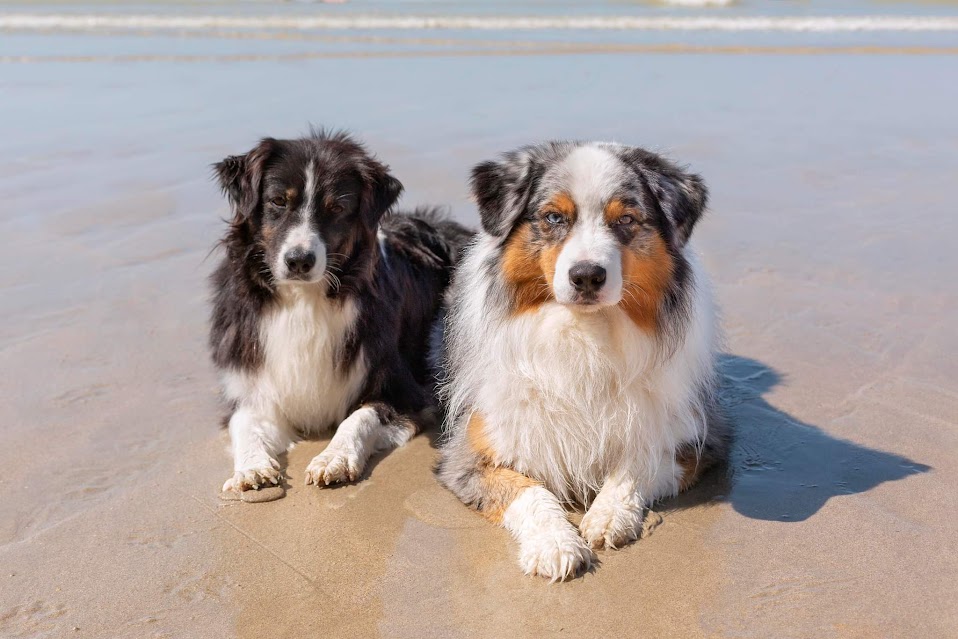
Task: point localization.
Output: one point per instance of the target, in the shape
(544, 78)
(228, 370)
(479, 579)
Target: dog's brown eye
(278, 201)
(336, 208)
(625, 220)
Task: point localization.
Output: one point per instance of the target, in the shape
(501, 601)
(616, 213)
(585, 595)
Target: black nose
(587, 277)
(300, 261)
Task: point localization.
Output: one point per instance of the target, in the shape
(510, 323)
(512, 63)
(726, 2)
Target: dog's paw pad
(333, 467)
(555, 554)
(610, 525)
(253, 479)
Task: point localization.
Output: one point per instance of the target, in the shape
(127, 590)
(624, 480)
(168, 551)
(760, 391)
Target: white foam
(820, 24)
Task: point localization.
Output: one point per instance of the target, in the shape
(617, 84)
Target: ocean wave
(823, 24)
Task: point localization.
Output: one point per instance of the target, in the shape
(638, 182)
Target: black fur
(398, 305)
(682, 196)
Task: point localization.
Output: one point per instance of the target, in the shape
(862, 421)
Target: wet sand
(830, 239)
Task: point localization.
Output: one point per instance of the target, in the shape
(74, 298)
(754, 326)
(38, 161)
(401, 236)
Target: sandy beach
(831, 240)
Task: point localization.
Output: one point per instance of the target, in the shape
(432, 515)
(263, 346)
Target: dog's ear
(681, 195)
(380, 192)
(502, 189)
(241, 177)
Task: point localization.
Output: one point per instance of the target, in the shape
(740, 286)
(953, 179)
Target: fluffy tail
(427, 236)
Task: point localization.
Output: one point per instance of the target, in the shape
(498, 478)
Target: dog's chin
(311, 279)
(592, 304)
(584, 306)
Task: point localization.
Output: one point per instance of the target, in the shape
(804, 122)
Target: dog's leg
(371, 428)
(549, 545)
(618, 512)
(616, 516)
(257, 441)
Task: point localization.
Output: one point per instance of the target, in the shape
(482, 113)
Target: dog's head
(588, 225)
(306, 206)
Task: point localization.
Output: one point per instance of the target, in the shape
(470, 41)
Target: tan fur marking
(547, 262)
(563, 204)
(616, 209)
(528, 269)
(500, 485)
(693, 467)
(268, 233)
(523, 272)
(476, 434)
(646, 278)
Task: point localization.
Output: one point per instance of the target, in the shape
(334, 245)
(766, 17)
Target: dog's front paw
(254, 478)
(334, 467)
(556, 553)
(611, 524)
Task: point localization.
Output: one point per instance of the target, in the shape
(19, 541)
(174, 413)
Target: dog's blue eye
(625, 220)
(554, 219)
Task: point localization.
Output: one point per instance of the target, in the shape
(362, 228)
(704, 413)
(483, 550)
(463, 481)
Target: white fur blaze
(590, 175)
(303, 236)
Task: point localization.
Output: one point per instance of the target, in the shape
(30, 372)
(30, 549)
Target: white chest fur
(300, 381)
(572, 398)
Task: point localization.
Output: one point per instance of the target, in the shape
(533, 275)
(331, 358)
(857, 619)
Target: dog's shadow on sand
(780, 468)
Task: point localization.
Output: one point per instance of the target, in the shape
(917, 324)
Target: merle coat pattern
(578, 354)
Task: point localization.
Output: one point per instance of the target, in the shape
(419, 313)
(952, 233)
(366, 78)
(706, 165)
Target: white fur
(360, 436)
(299, 388)
(303, 236)
(615, 517)
(256, 444)
(573, 399)
(549, 545)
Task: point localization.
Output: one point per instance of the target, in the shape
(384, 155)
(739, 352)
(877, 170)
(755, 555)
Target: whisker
(632, 284)
(332, 281)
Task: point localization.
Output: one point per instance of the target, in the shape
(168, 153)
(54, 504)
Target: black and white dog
(322, 307)
(579, 348)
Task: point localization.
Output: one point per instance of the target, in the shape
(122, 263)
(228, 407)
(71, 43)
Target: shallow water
(830, 239)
